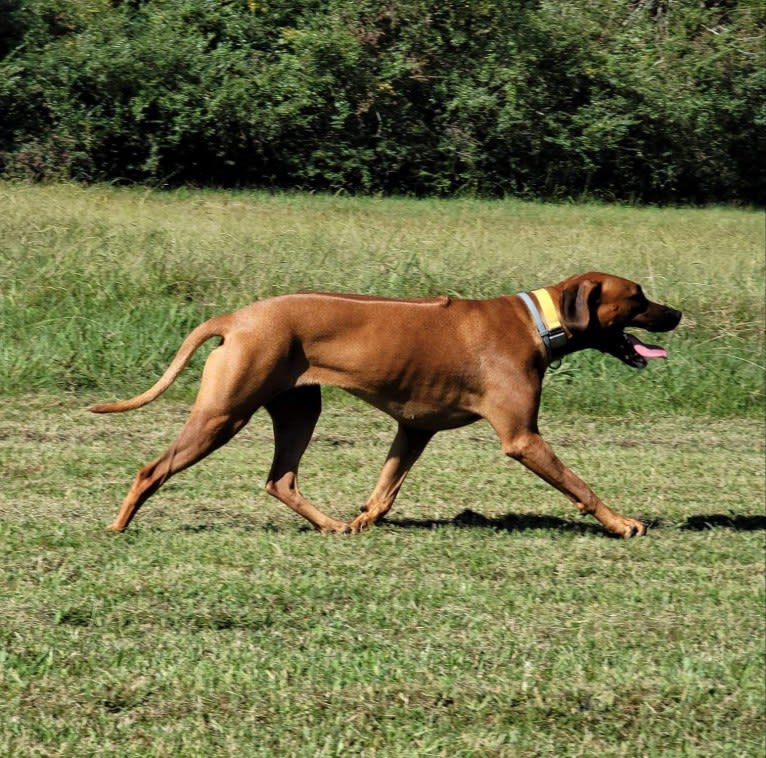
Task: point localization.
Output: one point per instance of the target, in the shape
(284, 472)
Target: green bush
(648, 100)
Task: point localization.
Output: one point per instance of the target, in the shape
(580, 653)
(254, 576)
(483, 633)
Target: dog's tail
(215, 327)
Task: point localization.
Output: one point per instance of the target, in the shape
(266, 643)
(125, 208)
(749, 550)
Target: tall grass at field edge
(99, 285)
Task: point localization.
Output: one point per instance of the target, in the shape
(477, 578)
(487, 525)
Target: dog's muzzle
(633, 351)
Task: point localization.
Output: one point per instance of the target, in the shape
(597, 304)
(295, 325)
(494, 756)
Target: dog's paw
(630, 527)
(336, 527)
(360, 523)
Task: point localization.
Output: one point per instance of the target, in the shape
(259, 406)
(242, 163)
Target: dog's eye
(640, 299)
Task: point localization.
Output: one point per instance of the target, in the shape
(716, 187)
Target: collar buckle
(558, 338)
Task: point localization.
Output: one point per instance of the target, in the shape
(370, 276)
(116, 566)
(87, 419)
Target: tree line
(637, 100)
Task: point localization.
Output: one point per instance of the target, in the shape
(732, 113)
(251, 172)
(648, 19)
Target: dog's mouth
(632, 351)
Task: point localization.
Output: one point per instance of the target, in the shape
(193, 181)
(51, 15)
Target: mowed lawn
(485, 617)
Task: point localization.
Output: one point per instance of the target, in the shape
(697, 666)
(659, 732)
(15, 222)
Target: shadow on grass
(510, 522)
(704, 522)
(517, 522)
(522, 522)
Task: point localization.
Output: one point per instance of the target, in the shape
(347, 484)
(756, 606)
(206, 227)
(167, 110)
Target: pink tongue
(646, 351)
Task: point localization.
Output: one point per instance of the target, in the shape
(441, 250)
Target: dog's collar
(547, 320)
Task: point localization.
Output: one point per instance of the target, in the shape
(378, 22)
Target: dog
(432, 364)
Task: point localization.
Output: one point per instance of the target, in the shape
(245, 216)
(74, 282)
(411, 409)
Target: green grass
(486, 618)
(98, 286)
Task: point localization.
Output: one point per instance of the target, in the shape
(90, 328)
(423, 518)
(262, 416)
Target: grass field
(99, 285)
(485, 618)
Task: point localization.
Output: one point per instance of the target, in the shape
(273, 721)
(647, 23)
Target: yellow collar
(548, 310)
(547, 320)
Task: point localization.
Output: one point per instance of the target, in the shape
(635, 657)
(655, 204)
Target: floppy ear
(577, 304)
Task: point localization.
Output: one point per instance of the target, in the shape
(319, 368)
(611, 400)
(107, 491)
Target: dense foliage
(651, 100)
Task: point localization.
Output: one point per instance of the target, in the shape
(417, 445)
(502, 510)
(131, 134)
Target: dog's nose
(676, 317)
(658, 318)
(670, 320)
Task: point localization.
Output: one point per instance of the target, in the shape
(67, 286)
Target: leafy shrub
(645, 99)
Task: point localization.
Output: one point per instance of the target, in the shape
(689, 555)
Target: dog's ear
(578, 303)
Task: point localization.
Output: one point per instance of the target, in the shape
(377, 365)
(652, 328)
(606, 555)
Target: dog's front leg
(534, 452)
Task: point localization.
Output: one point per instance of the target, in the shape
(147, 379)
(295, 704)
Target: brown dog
(431, 364)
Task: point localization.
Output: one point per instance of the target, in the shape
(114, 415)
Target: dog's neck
(545, 314)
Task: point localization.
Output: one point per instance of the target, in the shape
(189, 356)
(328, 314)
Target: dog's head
(597, 308)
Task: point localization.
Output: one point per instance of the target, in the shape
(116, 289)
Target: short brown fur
(431, 364)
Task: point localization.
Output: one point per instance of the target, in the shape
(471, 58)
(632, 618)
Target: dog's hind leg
(223, 406)
(203, 433)
(406, 448)
(294, 415)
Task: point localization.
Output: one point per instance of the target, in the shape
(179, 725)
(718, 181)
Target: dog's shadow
(523, 522)
(509, 522)
(527, 522)
(740, 523)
